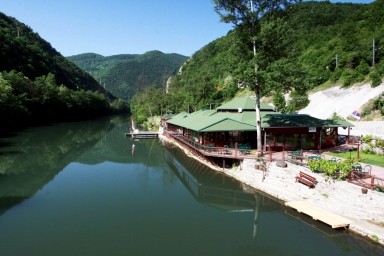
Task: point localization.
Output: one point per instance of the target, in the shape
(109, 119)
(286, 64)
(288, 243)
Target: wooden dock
(334, 220)
(142, 135)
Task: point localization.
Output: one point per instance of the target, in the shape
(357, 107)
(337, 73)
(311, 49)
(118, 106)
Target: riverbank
(365, 210)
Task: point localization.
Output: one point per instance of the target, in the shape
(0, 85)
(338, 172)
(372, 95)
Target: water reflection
(32, 158)
(79, 188)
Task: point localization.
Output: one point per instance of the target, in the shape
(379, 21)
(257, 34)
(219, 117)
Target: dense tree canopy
(26, 102)
(318, 32)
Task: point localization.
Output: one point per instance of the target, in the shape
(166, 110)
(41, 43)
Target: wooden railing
(365, 180)
(210, 150)
(345, 139)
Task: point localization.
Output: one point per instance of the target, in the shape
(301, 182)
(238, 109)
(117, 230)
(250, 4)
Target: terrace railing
(211, 150)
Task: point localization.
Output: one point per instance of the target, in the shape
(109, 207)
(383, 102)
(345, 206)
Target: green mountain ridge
(126, 74)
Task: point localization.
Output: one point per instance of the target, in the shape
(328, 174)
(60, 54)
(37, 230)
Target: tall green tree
(262, 28)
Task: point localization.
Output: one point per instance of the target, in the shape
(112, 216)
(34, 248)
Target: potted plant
(364, 190)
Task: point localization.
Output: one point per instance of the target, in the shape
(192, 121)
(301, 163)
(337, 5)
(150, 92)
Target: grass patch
(365, 158)
(325, 195)
(375, 238)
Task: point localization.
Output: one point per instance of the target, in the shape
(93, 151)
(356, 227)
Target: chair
(227, 150)
(367, 169)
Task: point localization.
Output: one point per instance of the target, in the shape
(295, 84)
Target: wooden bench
(296, 158)
(306, 179)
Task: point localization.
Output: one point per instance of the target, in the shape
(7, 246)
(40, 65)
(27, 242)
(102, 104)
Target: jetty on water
(334, 220)
(143, 135)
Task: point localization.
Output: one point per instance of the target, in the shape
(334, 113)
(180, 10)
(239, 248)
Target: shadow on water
(224, 193)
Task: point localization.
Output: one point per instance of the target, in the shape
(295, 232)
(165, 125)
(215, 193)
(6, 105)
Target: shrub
(335, 76)
(363, 68)
(334, 170)
(375, 78)
(367, 110)
(366, 138)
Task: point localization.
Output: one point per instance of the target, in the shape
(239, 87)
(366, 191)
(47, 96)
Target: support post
(372, 181)
(349, 130)
(358, 152)
(265, 141)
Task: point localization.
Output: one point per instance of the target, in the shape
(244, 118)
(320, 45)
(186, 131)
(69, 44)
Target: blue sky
(110, 27)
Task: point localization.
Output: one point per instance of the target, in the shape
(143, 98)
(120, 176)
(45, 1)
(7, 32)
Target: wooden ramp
(334, 220)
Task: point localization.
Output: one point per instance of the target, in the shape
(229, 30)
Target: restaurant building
(233, 125)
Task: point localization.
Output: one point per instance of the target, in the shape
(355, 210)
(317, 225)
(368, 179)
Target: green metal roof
(196, 122)
(245, 103)
(246, 121)
(300, 120)
(180, 115)
(337, 123)
(204, 112)
(229, 125)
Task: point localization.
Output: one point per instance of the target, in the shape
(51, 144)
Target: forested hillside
(39, 85)
(323, 43)
(126, 74)
(25, 51)
(95, 64)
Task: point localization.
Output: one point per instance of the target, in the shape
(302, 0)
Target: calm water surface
(80, 189)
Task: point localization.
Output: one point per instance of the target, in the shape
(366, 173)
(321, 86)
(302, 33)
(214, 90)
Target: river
(83, 189)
